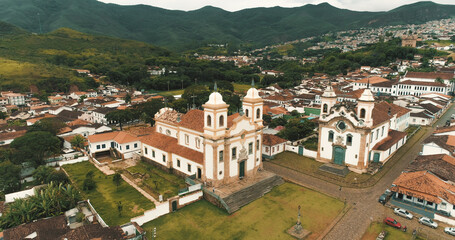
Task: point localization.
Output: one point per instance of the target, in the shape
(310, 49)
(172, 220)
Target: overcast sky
(234, 5)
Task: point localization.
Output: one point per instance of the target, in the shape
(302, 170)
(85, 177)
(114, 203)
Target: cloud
(235, 5)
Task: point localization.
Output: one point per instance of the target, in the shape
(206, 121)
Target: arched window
(258, 113)
(209, 120)
(325, 108)
(221, 120)
(362, 113)
(247, 112)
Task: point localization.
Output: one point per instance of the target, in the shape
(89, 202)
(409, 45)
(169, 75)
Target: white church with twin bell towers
(359, 134)
(215, 147)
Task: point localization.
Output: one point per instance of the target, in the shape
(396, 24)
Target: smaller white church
(357, 134)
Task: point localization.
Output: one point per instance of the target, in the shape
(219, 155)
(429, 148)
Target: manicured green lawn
(266, 218)
(106, 196)
(167, 184)
(392, 233)
(311, 144)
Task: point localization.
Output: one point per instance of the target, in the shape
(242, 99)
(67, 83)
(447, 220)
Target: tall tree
(78, 142)
(117, 179)
(147, 110)
(10, 177)
(120, 117)
(34, 147)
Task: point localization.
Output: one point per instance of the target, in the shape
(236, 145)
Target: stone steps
(241, 198)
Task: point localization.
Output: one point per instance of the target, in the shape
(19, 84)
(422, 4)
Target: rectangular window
(189, 168)
(164, 158)
(330, 136)
(250, 148)
(220, 156)
(382, 133)
(429, 203)
(372, 135)
(420, 200)
(257, 144)
(234, 153)
(146, 152)
(153, 153)
(178, 163)
(377, 134)
(187, 139)
(135, 145)
(349, 140)
(127, 147)
(103, 146)
(98, 146)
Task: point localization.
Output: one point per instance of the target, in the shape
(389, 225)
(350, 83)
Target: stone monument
(297, 230)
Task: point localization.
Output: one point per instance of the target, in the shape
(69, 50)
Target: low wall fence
(77, 160)
(98, 217)
(304, 152)
(445, 219)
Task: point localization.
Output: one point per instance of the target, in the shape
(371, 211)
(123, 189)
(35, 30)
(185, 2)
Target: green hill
(181, 30)
(47, 59)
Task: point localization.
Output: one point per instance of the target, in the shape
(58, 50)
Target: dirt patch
(136, 209)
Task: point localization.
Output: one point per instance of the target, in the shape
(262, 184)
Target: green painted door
(300, 150)
(376, 157)
(338, 155)
(242, 169)
(174, 206)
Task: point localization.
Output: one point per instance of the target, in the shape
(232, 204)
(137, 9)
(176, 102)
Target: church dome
(367, 96)
(252, 93)
(215, 98)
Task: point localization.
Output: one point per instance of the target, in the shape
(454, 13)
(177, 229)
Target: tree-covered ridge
(180, 30)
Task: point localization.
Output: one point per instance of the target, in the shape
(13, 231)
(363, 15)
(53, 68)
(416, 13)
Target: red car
(392, 222)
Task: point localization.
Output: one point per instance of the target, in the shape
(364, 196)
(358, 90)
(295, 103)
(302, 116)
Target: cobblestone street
(364, 202)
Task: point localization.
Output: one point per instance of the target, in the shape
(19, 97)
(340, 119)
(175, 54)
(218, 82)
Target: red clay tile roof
(230, 119)
(424, 185)
(119, 137)
(390, 140)
(445, 129)
(12, 135)
(170, 144)
(441, 141)
(441, 165)
(381, 112)
(430, 75)
(193, 119)
(271, 140)
(372, 80)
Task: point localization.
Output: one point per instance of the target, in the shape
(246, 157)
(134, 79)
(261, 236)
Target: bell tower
(215, 115)
(328, 99)
(365, 106)
(253, 105)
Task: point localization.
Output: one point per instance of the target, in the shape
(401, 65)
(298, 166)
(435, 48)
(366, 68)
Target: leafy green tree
(34, 147)
(198, 94)
(120, 117)
(45, 174)
(3, 115)
(78, 142)
(180, 105)
(10, 177)
(147, 110)
(439, 80)
(452, 38)
(267, 118)
(128, 98)
(52, 125)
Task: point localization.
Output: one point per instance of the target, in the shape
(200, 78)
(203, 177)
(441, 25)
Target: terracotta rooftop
(441, 165)
(380, 112)
(392, 138)
(193, 119)
(271, 140)
(119, 137)
(424, 185)
(441, 141)
(430, 75)
(170, 144)
(12, 135)
(445, 129)
(372, 80)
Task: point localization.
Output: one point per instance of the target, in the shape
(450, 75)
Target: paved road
(365, 207)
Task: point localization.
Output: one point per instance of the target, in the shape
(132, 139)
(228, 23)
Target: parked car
(428, 222)
(385, 196)
(392, 222)
(450, 230)
(402, 212)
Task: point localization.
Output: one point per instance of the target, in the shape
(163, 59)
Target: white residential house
(123, 143)
(272, 145)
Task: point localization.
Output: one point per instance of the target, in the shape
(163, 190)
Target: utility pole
(194, 104)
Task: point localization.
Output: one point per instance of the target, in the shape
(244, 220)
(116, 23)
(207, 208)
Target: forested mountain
(180, 30)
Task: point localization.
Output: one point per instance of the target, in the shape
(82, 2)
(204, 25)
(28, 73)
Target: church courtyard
(266, 218)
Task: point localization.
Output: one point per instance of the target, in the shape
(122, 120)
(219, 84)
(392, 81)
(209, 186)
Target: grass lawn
(105, 197)
(311, 167)
(241, 87)
(168, 184)
(266, 218)
(172, 92)
(392, 233)
(411, 129)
